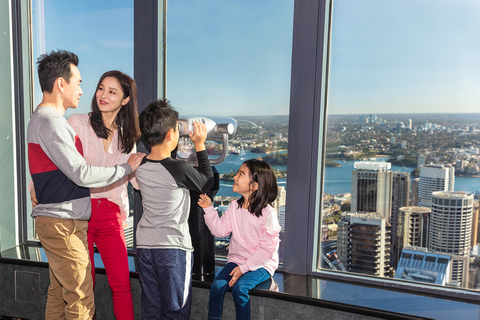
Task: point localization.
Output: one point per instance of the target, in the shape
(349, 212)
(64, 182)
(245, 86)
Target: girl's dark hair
(127, 117)
(262, 173)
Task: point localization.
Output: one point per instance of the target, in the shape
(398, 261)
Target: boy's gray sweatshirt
(165, 186)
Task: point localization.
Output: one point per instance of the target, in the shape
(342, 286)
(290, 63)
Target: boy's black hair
(55, 65)
(262, 173)
(156, 120)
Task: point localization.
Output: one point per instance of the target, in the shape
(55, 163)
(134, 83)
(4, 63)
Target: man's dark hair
(55, 65)
(156, 120)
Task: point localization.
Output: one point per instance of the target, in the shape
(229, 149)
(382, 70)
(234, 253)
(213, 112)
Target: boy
(164, 247)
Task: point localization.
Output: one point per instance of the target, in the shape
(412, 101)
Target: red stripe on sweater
(38, 160)
(78, 144)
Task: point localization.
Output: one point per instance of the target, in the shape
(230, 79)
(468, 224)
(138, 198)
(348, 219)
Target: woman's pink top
(94, 153)
(254, 242)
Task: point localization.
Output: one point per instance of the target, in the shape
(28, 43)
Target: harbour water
(337, 179)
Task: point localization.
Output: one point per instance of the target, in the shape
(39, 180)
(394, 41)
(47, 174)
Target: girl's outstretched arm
(219, 227)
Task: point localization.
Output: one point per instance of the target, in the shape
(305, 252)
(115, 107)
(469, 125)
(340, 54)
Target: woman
(108, 135)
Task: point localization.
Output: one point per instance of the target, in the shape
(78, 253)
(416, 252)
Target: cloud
(116, 44)
(85, 47)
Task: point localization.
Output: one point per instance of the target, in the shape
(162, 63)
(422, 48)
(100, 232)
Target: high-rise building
(363, 243)
(343, 241)
(434, 178)
(472, 277)
(412, 228)
(414, 192)
(281, 197)
(400, 196)
(451, 229)
(281, 217)
(372, 188)
(400, 191)
(421, 160)
(475, 223)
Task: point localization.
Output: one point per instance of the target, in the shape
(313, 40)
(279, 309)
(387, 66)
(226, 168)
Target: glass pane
(233, 59)
(100, 33)
(402, 104)
(8, 214)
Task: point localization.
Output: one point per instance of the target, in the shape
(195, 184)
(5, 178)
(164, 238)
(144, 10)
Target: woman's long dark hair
(127, 117)
(267, 191)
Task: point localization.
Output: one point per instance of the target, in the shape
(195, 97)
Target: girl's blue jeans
(240, 291)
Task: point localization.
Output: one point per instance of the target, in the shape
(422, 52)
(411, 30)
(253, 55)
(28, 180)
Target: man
(61, 180)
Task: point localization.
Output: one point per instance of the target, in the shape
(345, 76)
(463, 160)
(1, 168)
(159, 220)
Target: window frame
(306, 127)
(23, 101)
(149, 69)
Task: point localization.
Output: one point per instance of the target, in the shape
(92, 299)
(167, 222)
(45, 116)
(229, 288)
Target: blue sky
(99, 32)
(232, 57)
(405, 56)
(225, 58)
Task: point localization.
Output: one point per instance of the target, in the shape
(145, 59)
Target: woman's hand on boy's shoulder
(204, 201)
(135, 159)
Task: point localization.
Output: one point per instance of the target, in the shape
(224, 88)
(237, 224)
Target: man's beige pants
(70, 294)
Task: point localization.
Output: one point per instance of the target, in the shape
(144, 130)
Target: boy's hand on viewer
(198, 135)
(135, 160)
(204, 201)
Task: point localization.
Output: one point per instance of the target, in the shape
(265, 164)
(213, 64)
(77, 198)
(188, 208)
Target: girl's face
(243, 183)
(110, 96)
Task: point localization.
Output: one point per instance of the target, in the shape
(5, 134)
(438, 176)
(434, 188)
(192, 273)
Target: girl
(253, 223)
(108, 135)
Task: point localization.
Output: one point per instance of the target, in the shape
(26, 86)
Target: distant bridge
(250, 122)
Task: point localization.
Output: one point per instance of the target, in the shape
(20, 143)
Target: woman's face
(110, 96)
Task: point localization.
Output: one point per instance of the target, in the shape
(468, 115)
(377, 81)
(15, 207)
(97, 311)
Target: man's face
(72, 91)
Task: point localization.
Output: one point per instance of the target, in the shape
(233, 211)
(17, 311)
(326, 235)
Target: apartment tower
(372, 188)
(400, 198)
(434, 178)
(414, 192)
(412, 228)
(364, 244)
(451, 229)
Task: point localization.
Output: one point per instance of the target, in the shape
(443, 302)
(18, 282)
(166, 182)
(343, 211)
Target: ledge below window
(314, 291)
